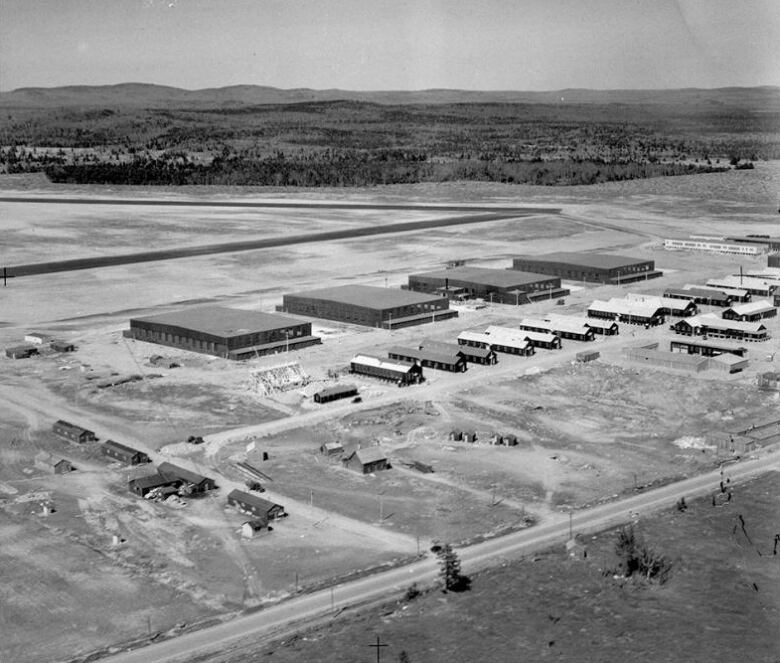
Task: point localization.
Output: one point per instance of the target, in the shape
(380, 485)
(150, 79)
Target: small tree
(638, 559)
(451, 576)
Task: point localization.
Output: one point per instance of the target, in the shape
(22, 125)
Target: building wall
(712, 247)
(429, 283)
(573, 272)
(356, 314)
(196, 341)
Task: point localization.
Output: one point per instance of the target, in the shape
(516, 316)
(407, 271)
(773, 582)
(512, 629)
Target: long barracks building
(370, 306)
(503, 286)
(224, 332)
(594, 267)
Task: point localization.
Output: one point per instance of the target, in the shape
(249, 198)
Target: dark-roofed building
(21, 351)
(696, 346)
(447, 359)
(142, 486)
(122, 452)
(52, 464)
(750, 312)
(503, 286)
(72, 432)
(711, 326)
(335, 393)
(386, 369)
(594, 267)
(224, 332)
(254, 528)
(707, 296)
(200, 483)
(257, 506)
(564, 326)
(370, 306)
(499, 339)
(367, 460)
(62, 346)
(482, 355)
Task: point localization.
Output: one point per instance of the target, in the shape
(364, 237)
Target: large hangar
(593, 267)
(370, 306)
(505, 286)
(224, 332)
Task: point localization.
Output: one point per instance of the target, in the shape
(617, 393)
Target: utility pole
(378, 646)
(6, 276)
(571, 529)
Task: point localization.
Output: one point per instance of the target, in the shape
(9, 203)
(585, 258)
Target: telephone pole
(378, 647)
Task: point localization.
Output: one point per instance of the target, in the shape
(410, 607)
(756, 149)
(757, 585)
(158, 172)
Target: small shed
(576, 549)
(470, 436)
(124, 453)
(456, 435)
(37, 338)
(587, 355)
(62, 346)
(257, 506)
(332, 449)
(367, 460)
(52, 464)
(254, 528)
(335, 393)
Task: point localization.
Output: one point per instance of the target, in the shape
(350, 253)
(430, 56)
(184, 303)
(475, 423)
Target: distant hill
(147, 95)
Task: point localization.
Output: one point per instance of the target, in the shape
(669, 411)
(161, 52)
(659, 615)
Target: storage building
(37, 338)
(254, 528)
(335, 393)
(52, 464)
(649, 353)
(62, 346)
(224, 332)
(21, 351)
(572, 328)
(450, 359)
(72, 432)
(370, 306)
(727, 363)
(257, 506)
(751, 311)
(399, 372)
(123, 453)
(332, 449)
(587, 356)
(696, 346)
(199, 483)
(502, 286)
(367, 460)
(594, 267)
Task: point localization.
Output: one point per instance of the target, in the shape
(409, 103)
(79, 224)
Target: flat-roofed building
(751, 311)
(370, 306)
(706, 348)
(648, 353)
(224, 332)
(593, 267)
(503, 286)
(710, 246)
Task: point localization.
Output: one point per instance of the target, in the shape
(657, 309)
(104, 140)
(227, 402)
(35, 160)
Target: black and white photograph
(394, 331)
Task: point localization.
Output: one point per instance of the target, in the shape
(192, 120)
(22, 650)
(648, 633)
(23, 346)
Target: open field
(587, 432)
(721, 602)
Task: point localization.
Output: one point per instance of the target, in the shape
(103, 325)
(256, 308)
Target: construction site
(352, 435)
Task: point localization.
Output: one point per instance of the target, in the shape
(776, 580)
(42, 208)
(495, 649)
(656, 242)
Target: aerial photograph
(394, 331)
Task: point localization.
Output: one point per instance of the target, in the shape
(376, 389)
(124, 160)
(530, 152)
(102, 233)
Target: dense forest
(356, 143)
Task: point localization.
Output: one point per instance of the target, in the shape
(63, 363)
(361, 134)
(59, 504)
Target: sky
(391, 44)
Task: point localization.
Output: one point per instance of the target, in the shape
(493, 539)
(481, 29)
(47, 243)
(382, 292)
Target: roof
(121, 447)
(454, 347)
(252, 500)
(336, 390)
(741, 282)
(221, 320)
(564, 324)
(443, 357)
(256, 525)
(600, 323)
(15, 349)
(700, 291)
(698, 342)
(49, 458)
(712, 320)
(659, 302)
(151, 481)
(624, 307)
(366, 455)
(368, 296)
(729, 359)
(595, 260)
(497, 278)
(506, 336)
(736, 292)
(40, 335)
(751, 308)
(66, 424)
(376, 362)
(167, 468)
(674, 357)
(541, 337)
